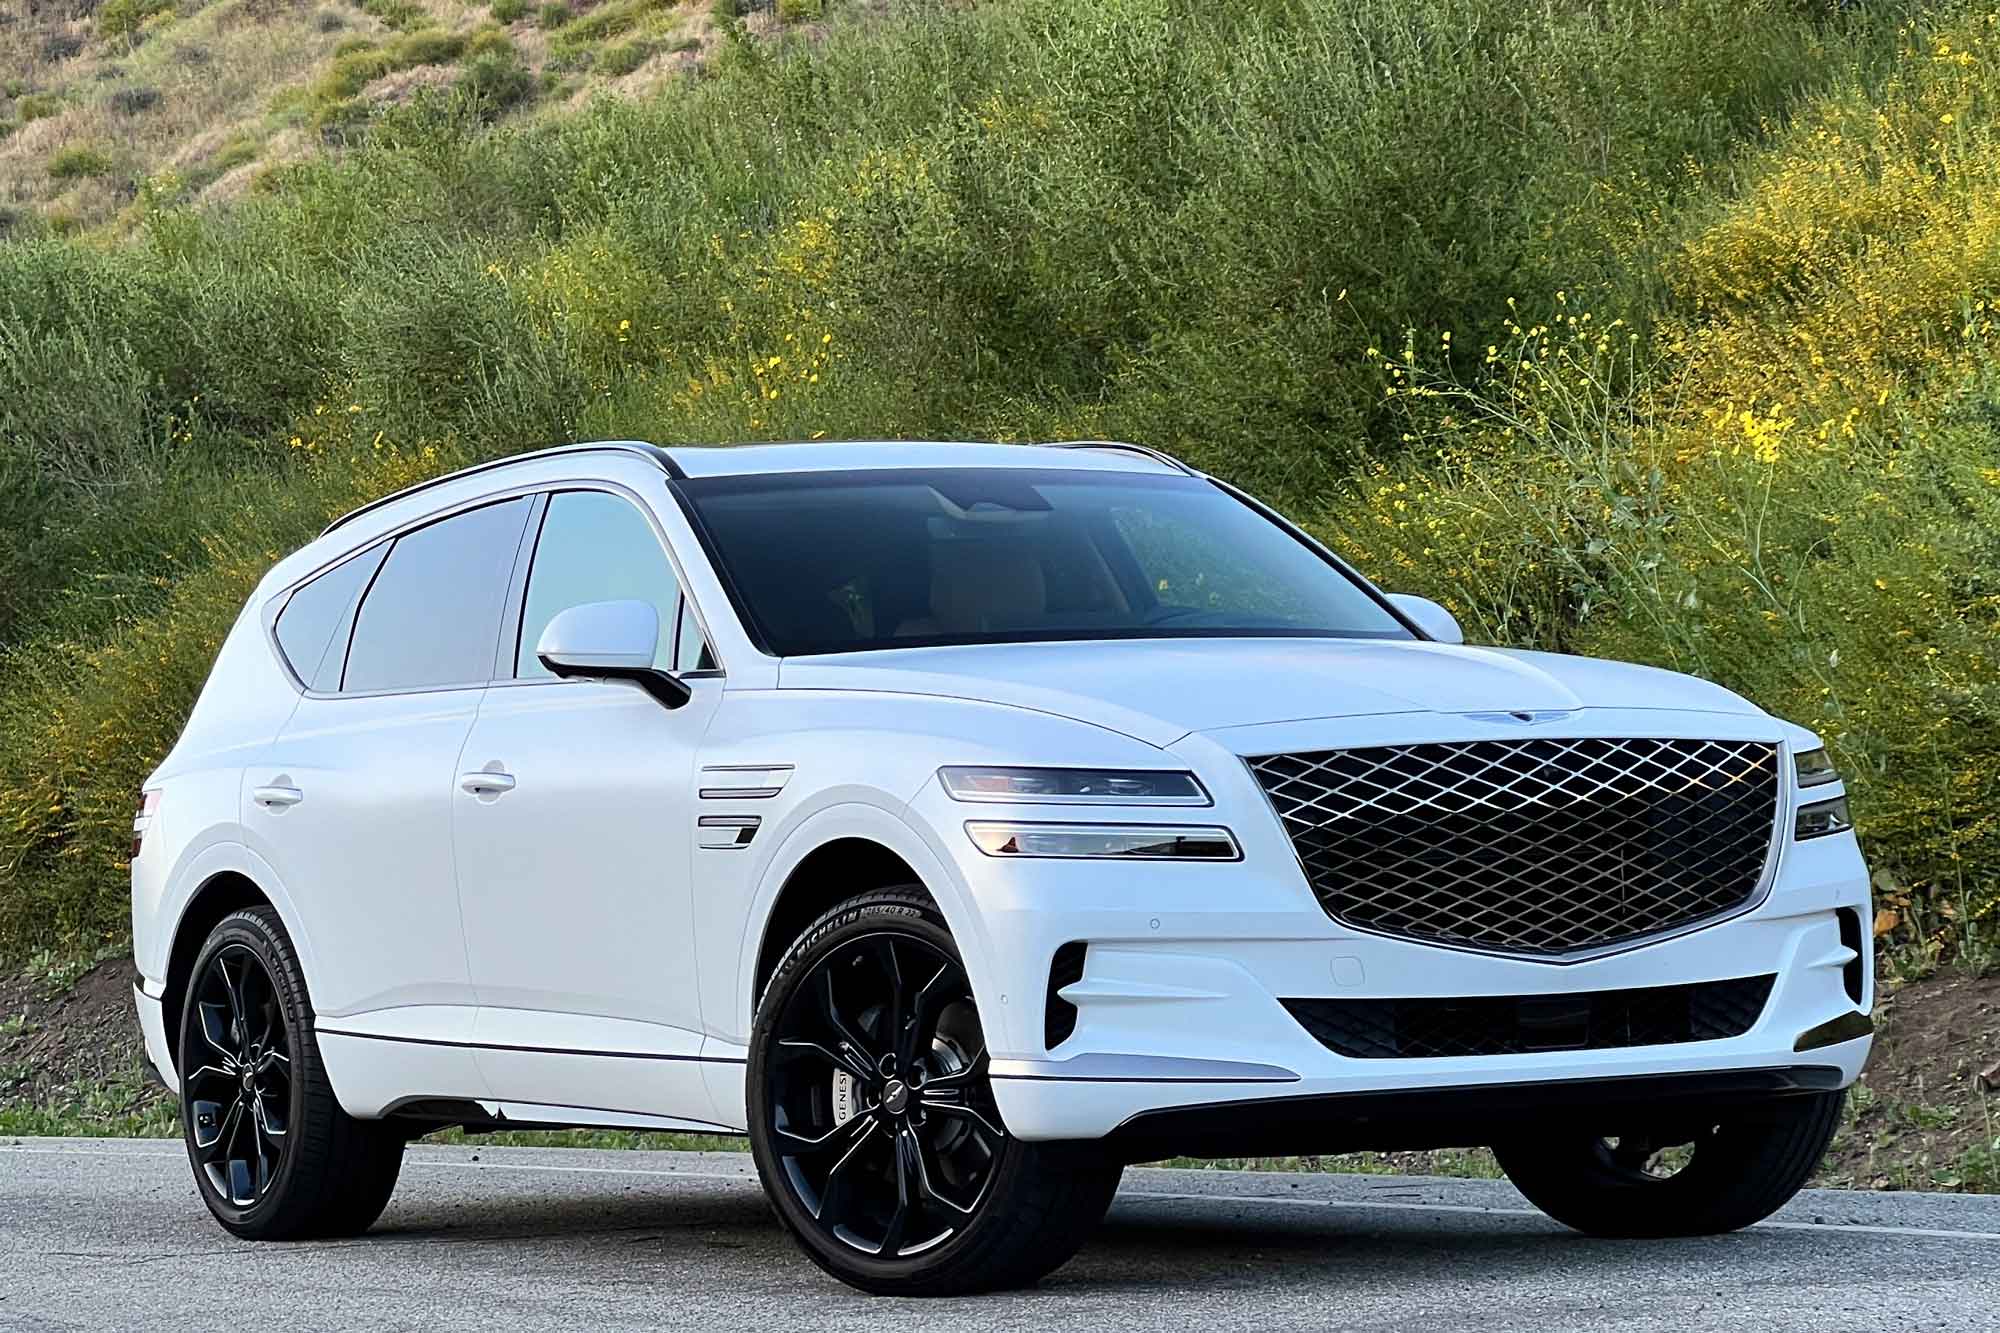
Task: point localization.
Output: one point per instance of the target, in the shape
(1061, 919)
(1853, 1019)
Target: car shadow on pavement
(1144, 1244)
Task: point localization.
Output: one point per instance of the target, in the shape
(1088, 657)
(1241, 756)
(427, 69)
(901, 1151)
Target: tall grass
(1171, 221)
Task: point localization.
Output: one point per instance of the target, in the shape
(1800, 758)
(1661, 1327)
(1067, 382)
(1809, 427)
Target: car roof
(683, 462)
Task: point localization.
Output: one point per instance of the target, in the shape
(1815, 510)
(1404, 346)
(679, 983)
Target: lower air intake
(1525, 1024)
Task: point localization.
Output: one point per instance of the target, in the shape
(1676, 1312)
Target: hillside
(111, 108)
(1664, 332)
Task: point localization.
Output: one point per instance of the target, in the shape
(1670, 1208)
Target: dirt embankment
(56, 1039)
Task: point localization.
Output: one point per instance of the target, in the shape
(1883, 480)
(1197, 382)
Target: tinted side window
(433, 614)
(595, 547)
(312, 629)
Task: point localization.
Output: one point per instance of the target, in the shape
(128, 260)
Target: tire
(1742, 1169)
(274, 1156)
(913, 1193)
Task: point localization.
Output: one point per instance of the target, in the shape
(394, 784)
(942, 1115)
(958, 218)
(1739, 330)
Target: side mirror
(1428, 616)
(610, 641)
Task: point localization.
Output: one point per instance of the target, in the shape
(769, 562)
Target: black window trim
(275, 608)
(754, 631)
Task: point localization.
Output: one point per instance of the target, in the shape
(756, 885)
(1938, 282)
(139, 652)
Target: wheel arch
(839, 852)
(219, 895)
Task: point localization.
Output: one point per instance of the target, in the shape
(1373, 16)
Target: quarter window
(313, 627)
(432, 616)
(691, 650)
(595, 547)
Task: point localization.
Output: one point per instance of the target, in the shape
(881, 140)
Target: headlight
(1074, 786)
(1814, 767)
(1823, 817)
(1137, 842)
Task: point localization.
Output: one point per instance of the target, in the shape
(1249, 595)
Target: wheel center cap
(895, 1097)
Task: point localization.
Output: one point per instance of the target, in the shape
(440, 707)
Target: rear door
(574, 831)
(352, 803)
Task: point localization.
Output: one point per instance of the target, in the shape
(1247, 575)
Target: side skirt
(424, 1114)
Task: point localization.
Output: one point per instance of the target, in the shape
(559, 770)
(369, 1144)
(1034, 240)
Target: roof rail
(1121, 446)
(652, 453)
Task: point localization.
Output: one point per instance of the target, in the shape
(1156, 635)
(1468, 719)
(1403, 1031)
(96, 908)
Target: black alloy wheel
(878, 1101)
(873, 1120)
(239, 1099)
(275, 1156)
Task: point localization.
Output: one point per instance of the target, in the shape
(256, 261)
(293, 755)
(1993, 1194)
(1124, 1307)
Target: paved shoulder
(110, 1234)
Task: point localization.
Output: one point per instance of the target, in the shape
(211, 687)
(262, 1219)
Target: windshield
(848, 561)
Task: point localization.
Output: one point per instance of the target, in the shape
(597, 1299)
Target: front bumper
(1179, 1007)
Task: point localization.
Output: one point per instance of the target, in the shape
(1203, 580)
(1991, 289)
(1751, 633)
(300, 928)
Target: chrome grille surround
(1543, 847)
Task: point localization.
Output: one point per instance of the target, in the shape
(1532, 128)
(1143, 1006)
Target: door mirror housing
(610, 641)
(1429, 617)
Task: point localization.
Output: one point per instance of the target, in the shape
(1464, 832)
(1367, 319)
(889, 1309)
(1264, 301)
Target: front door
(573, 826)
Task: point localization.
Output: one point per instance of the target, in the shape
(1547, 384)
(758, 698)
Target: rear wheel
(873, 1123)
(1712, 1175)
(274, 1156)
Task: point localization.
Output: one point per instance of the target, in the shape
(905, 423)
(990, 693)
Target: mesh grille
(1541, 846)
(1521, 1024)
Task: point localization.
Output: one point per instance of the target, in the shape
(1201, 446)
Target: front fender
(881, 822)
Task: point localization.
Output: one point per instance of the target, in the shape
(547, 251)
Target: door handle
(487, 784)
(276, 798)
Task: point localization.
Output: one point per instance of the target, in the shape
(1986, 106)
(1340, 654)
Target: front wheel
(1715, 1174)
(873, 1124)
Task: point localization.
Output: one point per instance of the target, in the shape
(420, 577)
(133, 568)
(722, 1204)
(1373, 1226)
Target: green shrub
(402, 15)
(38, 106)
(349, 73)
(432, 46)
(133, 101)
(509, 11)
(490, 41)
(800, 11)
(121, 18)
(553, 15)
(623, 58)
(496, 81)
(78, 162)
(238, 150)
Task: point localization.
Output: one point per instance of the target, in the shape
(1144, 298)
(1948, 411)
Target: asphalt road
(110, 1234)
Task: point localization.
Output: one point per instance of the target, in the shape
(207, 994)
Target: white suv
(963, 822)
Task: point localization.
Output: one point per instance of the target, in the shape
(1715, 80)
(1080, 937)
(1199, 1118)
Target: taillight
(149, 801)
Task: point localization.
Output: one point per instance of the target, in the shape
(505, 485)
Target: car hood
(1160, 690)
